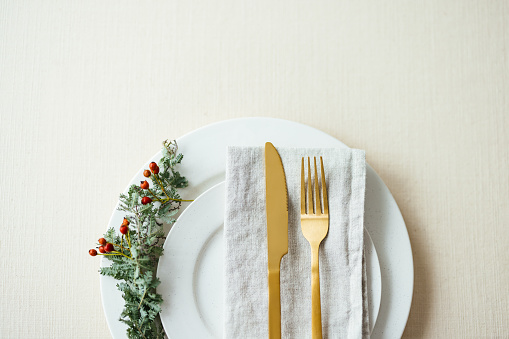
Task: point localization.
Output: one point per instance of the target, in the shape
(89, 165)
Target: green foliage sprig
(134, 252)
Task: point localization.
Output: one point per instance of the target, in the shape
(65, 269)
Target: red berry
(144, 185)
(92, 252)
(146, 173)
(102, 241)
(146, 200)
(152, 166)
(125, 222)
(109, 247)
(156, 170)
(123, 229)
(101, 249)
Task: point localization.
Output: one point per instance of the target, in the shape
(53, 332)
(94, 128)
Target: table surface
(89, 89)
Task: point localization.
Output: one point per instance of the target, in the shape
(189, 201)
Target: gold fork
(315, 225)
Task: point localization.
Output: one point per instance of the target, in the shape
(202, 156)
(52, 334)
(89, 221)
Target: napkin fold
(342, 268)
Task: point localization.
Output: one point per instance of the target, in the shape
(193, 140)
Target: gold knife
(276, 201)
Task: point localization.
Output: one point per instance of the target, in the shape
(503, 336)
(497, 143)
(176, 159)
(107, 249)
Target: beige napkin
(342, 268)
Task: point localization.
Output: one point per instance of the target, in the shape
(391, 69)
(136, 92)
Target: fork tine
(324, 189)
(311, 206)
(302, 190)
(318, 201)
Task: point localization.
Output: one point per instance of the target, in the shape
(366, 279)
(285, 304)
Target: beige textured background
(89, 89)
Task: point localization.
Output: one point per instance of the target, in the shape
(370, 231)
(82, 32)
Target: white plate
(191, 270)
(204, 165)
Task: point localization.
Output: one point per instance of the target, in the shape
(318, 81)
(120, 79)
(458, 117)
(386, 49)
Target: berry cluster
(153, 173)
(107, 248)
(145, 186)
(148, 196)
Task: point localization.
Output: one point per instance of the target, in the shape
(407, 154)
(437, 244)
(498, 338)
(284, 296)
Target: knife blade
(276, 200)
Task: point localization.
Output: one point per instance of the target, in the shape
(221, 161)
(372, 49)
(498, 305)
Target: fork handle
(316, 310)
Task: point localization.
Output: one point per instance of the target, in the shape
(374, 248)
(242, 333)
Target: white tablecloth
(89, 89)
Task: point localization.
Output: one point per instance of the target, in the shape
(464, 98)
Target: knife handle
(274, 305)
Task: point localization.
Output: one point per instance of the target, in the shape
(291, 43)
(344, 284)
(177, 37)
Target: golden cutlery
(315, 225)
(277, 232)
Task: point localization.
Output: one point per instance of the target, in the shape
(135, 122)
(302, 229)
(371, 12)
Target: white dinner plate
(191, 271)
(204, 165)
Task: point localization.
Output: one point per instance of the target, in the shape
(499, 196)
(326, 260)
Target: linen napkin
(342, 268)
